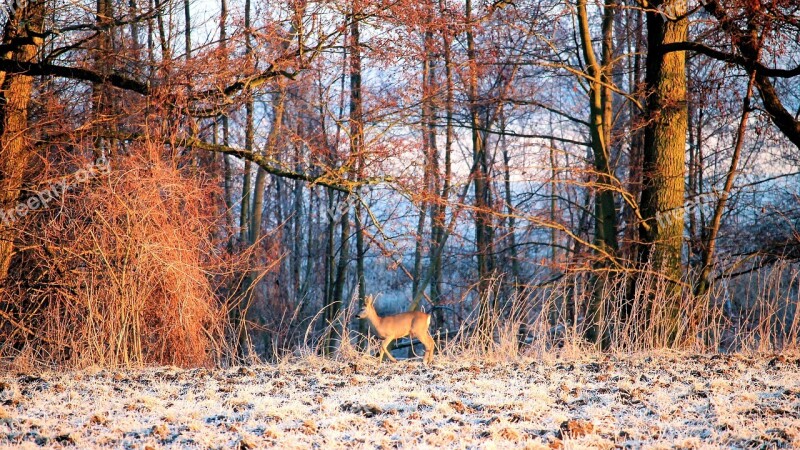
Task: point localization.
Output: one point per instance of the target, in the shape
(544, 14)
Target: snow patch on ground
(655, 401)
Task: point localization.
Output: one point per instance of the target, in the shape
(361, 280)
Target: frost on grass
(654, 401)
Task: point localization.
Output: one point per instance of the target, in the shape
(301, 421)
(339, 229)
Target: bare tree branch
(731, 58)
(334, 179)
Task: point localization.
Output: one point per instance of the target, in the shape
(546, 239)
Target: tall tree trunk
(356, 120)
(360, 275)
(297, 225)
(249, 137)
(332, 212)
(245, 295)
(310, 274)
(223, 118)
(553, 199)
(418, 244)
(600, 122)
(235, 311)
(299, 124)
(162, 31)
(634, 182)
(357, 149)
(339, 282)
(102, 102)
(431, 184)
(133, 11)
(151, 42)
(272, 150)
(694, 184)
(245, 204)
(441, 206)
(330, 247)
(510, 210)
(15, 96)
(187, 32)
(663, 173)
(483, 217)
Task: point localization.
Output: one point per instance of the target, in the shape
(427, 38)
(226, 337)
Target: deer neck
(377, 321)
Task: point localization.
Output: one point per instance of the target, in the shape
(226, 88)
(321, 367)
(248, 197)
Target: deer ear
(369, 300)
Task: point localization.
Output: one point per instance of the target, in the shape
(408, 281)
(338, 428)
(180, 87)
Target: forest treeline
(204, 182)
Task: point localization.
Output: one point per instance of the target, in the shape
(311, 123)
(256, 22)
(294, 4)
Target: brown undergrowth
(121, 271)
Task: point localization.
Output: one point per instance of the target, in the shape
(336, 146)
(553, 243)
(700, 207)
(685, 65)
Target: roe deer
(413, 324)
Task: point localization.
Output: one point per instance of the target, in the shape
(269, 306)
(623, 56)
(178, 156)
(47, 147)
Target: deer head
(369, 305)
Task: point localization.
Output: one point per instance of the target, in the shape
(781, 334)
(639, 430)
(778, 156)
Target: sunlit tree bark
(15, 97)
(663, 173)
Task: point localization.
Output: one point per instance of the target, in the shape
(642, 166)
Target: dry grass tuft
(122, 271)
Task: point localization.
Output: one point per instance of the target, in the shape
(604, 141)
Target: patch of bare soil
(655, 401)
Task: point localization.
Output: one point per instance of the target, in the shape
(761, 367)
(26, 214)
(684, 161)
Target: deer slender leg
(385, 347)
(427, 341)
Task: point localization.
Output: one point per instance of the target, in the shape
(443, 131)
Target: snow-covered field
(662, 400)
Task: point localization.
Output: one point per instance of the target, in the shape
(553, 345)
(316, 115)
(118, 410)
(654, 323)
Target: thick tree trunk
(15, 152)
(663, 173)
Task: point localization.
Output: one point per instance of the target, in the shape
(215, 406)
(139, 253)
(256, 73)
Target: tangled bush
(120, 271)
